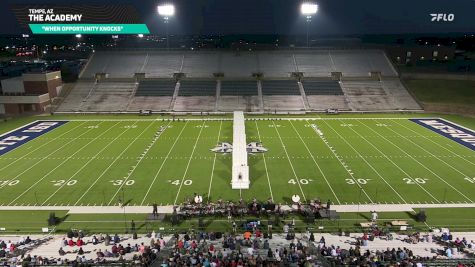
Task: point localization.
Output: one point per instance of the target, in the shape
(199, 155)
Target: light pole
(308, 9)
(166, 11)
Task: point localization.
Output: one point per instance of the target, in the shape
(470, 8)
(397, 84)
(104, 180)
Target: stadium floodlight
(78, 35)
(140, 35)
(308, 10)
(166, 11)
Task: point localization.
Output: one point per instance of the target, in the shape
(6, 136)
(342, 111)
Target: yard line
(316, 164)
(113, 162)
(133, 169)
(214, 161)
(425, 167)
(189, 161)
(163, 163)
(344, 165)
(371, 166)
(425, 137)
(430, 153)
(265, 164)
(87, 163)
(53, 139)
(41, 160)
(288, 158)
(61, 164)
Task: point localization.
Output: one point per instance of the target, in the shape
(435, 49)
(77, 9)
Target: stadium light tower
(166, 11)
(308, 10)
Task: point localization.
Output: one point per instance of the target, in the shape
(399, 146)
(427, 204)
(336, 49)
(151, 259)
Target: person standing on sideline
(374, 216)
(234, 227)
(155, 210)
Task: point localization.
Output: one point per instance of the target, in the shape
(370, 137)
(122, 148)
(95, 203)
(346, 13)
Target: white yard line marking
(52, 139)
(134, 167)
(316, 164)
(430, 153)
(265, 163)
(343, 164)
(214, 162)
(425, 137)
(163, 163)
(61, 164)
(189, 162)
(288, 158)
(87, 163)
(47, 156)
(371, 166)
(422, 165)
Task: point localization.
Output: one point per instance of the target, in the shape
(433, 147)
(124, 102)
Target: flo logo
(442, 17)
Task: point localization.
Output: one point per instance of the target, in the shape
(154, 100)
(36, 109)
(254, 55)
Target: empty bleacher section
(367, 95)
(199, 91)
(156, 88)
(322, 87)
(162, 65)
(274, 64)
(238, 65)
(155, 95)
(281, 95)
(75, 98)
(238, 95)
(398, 92)
(101, 96)
(201, 65)
(196, 95)
(324, 94)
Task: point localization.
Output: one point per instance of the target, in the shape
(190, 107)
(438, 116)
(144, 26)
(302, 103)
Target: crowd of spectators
(210, 249)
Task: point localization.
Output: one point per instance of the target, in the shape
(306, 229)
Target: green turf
(374, 160)
(452, 92)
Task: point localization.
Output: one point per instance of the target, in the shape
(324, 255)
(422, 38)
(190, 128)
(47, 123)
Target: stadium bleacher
(368, 81)
(156, 88)
(324, 87)
(197, 88)
(236, 87)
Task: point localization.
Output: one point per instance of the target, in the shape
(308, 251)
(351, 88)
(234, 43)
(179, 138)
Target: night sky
(335, 17)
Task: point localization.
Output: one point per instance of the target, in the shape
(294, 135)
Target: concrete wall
(24, 99)
(13, 86)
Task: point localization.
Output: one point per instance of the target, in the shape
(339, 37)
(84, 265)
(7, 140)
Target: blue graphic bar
(461, 135)
(18, 137)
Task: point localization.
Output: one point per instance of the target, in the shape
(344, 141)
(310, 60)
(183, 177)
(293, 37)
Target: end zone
(20, 136)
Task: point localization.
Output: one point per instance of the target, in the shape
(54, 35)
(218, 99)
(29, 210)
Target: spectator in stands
(116, 239)
(107, 240)
(61, 252)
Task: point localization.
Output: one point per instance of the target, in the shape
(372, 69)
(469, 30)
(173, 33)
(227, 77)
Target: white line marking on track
(133, 168)
(425, 167)
(291, 165)
(85, 164)
(44, 144)
(214, 163)
(163, 163)
(61, 164)
(343, 163)
(189, 161)
(265, 164)
(316, 164)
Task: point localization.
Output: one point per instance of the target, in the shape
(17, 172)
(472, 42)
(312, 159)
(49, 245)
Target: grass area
(369, 158)
(30, 222)
(453, 92)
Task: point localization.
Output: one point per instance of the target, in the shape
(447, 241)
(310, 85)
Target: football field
(140, 162)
